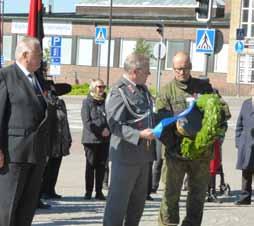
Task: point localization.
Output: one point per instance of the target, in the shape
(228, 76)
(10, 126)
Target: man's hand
(1, 159)
(147, 134)
(105, 132)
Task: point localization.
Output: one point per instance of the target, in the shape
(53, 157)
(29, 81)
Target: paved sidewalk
(73, 210)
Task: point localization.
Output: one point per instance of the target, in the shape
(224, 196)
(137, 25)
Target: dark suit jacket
(244, 136)
(23, 129)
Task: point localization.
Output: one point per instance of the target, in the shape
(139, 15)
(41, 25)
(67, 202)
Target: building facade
(133, 20)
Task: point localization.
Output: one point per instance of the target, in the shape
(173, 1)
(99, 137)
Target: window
(127, 47)
(84, 51)
(197, 59)
(65, 49)
(7, 47)
(221, 60)
(246, 69)
(153, 61)
(173, 46)
(247, 17)
(104, 53)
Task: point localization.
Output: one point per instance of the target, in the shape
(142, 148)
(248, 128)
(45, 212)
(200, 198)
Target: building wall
(73, 73)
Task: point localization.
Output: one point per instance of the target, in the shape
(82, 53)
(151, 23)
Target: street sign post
(159, 50)
(55, 55)
(240, 34)
(239, 46)
(100, 38)
(100, 35)
(205, 40)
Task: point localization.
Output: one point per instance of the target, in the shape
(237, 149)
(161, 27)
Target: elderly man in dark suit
(23, 135)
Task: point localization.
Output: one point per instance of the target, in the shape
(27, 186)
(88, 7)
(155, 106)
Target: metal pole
(109, 41)
(206, 65)
(207, 55)
(158, 69)
(99, 60)
(238, 75)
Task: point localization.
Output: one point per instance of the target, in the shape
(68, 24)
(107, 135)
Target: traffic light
(203, 10)
(160, 29)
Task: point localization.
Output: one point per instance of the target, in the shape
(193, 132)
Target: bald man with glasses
(173, 99)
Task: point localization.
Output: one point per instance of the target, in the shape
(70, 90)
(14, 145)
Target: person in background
(244, 140)
(129, 113)
(95, 138)
(60, 147)
(24, 135)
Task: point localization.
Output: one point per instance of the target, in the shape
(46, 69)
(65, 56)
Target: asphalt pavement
(72, 209)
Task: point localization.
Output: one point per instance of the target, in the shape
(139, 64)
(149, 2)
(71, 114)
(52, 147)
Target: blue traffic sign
(55, 60)
(55, 52)
(56, 41)
(239, 46)
(100, 35)
(205, 40)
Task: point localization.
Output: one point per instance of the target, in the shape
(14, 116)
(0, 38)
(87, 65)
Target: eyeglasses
(178, 70)
(101, 87)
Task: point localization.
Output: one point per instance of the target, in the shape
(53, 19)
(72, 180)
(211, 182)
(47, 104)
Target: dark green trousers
(198, 177)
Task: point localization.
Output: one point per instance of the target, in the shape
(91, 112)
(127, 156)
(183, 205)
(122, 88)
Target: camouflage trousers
(198, 178)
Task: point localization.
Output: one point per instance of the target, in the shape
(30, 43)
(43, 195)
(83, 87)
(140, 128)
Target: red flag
(35, 23)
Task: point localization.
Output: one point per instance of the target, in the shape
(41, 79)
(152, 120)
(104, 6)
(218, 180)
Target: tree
(143, 47)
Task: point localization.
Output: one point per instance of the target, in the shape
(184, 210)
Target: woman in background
(95, 138)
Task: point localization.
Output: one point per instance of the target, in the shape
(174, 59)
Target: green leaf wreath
(211, 106)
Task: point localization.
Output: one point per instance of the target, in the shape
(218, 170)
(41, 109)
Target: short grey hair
(135, 61)
(26, 44)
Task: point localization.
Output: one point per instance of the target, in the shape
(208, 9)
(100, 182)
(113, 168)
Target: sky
(22, 6)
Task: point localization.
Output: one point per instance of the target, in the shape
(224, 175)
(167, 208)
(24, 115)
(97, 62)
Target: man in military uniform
(129, 115)
(173, 100)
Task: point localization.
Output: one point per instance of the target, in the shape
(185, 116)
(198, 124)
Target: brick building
(133, 20)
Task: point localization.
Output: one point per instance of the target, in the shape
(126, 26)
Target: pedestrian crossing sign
(205, 41)
(100, 35)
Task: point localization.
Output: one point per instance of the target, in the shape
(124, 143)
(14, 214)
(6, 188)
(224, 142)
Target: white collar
(127, 78)
(22, 68)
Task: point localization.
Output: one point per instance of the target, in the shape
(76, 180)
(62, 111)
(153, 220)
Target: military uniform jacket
(125, 144)
(172, 101)
(22, 127)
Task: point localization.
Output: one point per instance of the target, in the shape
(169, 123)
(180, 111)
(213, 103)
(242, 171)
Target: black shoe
(88, 196)
(100, 196)
(154, 190)
(149, 198)
(213, 198)
(51, 196)
(42, 205)
(242, 202)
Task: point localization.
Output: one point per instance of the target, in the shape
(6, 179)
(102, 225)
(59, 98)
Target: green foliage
(81, 90)
(143, 47)
(211, 105)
